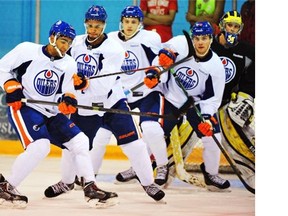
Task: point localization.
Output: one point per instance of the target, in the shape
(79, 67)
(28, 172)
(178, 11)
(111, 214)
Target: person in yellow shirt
(205, 10)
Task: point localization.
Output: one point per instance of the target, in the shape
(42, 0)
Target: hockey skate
(98, 198)
(58, 189)
(214, 182)
(162, 173)
(127, 177)
(154, 191)
(10, 197)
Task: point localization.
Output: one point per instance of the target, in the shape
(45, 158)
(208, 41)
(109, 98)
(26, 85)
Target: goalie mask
(231, 18)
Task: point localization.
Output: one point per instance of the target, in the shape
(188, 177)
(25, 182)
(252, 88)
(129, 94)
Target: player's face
(201, 44)
(94, 28)
(130, 25)
(232, 28)
(62, 43)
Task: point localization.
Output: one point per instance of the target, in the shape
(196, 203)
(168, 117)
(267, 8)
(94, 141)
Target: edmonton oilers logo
(87, 65)
(130, 62)
(230, 69)
(188, 77)
(46, 82)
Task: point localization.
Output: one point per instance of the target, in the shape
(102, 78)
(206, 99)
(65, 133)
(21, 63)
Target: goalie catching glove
(14, 94)
(166, 57)
(241, 108)
(152, 77)
(67, 104)
(81, 82)
(207, 126)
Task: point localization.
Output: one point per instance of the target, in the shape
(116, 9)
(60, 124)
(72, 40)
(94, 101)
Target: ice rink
(181, 198)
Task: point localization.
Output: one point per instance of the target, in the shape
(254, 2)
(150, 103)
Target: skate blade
(17, 204)
(78, 187)
(96, 203)
(169, 182)
(216, 189)
(162, 202)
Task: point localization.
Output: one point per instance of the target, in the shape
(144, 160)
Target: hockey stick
(179, 163)
(191, 53)
(96, 108)
(227, 157)
(122, 72)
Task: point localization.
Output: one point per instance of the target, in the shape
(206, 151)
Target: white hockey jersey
(42, 77)
(204, 80)
(141, 52)
(104, 59)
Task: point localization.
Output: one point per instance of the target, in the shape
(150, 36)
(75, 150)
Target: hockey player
(141, 47)
(98, 54)
(45, 73)
(203, 78)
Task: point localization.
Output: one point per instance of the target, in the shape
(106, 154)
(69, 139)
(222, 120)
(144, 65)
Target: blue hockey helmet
(61, 28)
(201, 28)
(96, 12)
(132, 11)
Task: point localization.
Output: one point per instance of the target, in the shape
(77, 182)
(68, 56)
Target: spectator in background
(248, 18)
(159, 16)
(205, 10)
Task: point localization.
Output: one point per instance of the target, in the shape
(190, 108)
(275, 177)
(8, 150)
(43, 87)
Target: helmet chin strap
(140, 26)
(55, 46)
(92, 41)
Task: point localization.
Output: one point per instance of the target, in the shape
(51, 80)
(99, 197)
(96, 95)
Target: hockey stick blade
(179, 162)
(96, 108)
(191, 53)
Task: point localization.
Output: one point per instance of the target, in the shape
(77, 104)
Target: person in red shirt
(159, 16)
(248, 17)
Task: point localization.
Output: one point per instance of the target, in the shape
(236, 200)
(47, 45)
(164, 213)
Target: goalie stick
(97, 108)
(191, 53)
